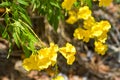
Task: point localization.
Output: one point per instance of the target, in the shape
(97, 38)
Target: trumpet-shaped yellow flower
(31, 63)
(100, 48)
(100, 27)
(42, 60)
(68, 52)
(78, 33)
(103, 37)
(58, 78)
(106, 25)
(83, 34)
(88, 23)
(97, 30)
(84, 12)
(87, 35)
(67, 4)
(49, 53)
(104, 2)
(72, 18)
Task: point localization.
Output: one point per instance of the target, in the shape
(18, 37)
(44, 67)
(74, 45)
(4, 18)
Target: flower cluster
(67, 4)
(104, 2)
(91, 29)
(46, 57)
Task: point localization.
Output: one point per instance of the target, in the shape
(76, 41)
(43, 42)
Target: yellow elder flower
(78, 33)
(105, 25)
(100, 48)
(49, 53)
(88, 23)
(71, 20)
(67, 4)
(73, 17)
(103, 37)
(104, 2)
(42, 60)
(83, 34)
(87, 35)
(35, 62)
(58, 78)
(84, 13)
(68, 52)
(97, 30)
(31, 63)
(100, 27)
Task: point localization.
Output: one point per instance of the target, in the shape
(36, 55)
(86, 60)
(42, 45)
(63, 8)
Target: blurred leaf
(21, 9)
(6, 18)
(55, 4)
(2, 28)
(26, 18)
(5, 4)
(23, 2)
(15, 15)
(117, 1)
(89, 3)
(10, 49)
(15, 36)
(26, 51)
(5, 34)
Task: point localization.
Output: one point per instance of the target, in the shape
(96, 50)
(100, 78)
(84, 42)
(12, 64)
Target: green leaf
(17, 24)
(5, 34)
(2, 28)
(15, 15)
(5, 4)
(26, 18)
(21, 9)
(15, 36)
(23, 2)
(55, 4)
(10, 49)
(89, 3)
(7, 19)
(26, 51)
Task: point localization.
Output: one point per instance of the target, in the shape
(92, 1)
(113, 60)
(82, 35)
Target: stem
(56, 69)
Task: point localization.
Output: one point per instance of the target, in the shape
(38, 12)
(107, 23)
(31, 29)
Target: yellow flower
(67, 4)
(73, 17)
(100, 27)
(100, 48)
(53, 54)
(31, 63)
(58, 78)
(42, 60)
(87, 35)
(88, 23)
(68, 52)
(71, 20)
(104, 2)
(84, 12)
(106, 25)
(83, 34)
(49, 53)
(103, 37)
(97, 30)
(78, 33)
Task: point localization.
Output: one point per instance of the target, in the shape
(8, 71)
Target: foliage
(18, 28)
